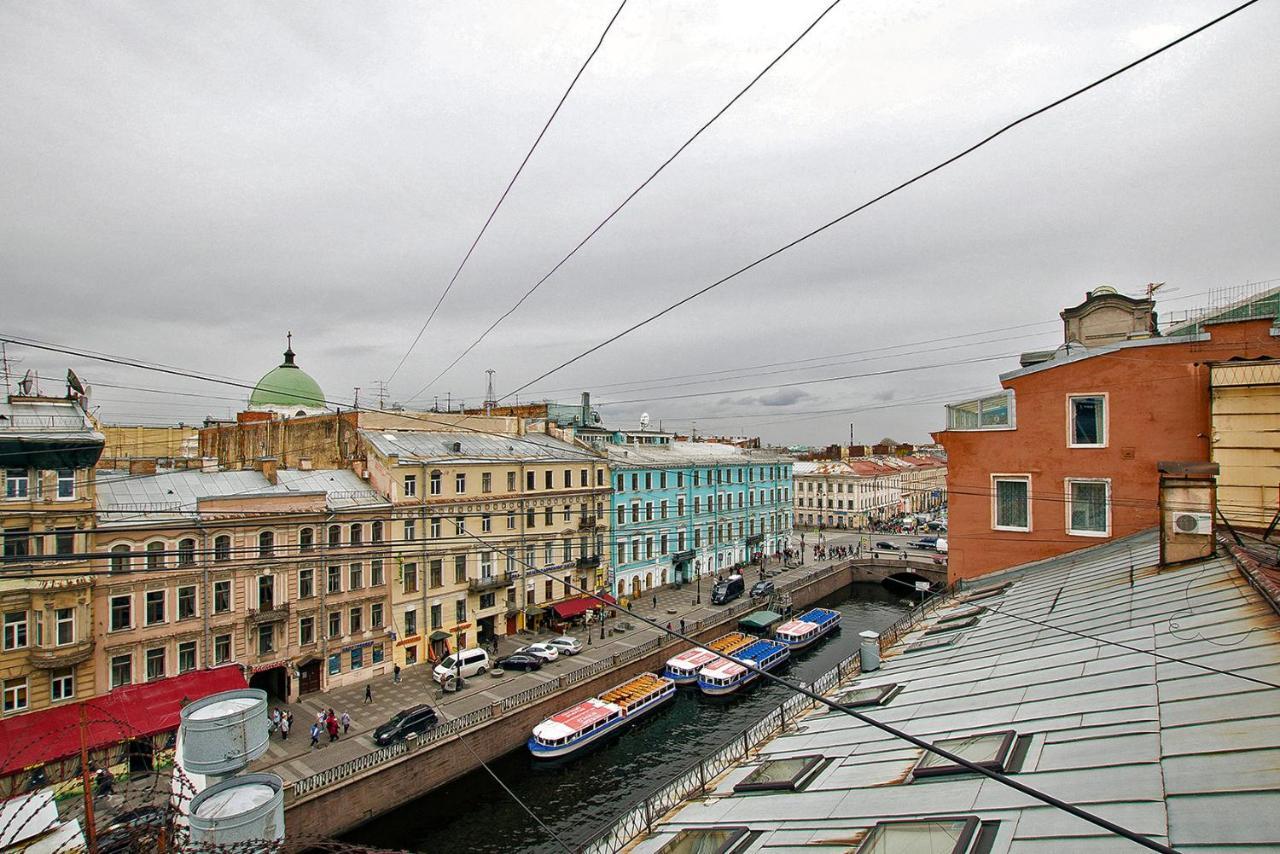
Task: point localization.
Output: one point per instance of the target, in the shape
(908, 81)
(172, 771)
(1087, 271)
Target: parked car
(728, 590)
(468, 663)
(940, 527)
(761, 588)
(520, 661)
(942, 545)
(888, 546)
(925, 543)
(144, 828)
(545, 651)
(411, 721)
(566, 645)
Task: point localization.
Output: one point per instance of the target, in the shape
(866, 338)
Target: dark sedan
(888, 546)
(407, 722)
(761, 588)
(520, 661)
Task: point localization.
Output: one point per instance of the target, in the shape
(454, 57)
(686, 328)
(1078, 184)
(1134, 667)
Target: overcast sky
(185, 182)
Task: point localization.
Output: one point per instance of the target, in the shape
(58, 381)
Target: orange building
(1066, 454)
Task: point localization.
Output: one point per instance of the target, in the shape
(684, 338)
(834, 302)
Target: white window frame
(111, 669)
(22, 628)
(12, 476)
(995, 501)
(59, 480)
(67, 677)
(1066, 491)
(1106, 418)
(21, 689)
(409, 486)
(111, 600)
(57, 625)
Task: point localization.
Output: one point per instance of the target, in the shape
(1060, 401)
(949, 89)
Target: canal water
(585, 792)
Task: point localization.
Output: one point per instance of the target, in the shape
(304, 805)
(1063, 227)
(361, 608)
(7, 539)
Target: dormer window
(788, 774)
(876, 695)
(991, 750)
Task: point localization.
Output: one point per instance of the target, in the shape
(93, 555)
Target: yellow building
(490, 531)
(1246, 440)
(49, 448)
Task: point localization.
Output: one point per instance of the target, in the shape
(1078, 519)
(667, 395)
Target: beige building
(1246, 440)
(283, 572)
(49, 447)
(490, 529)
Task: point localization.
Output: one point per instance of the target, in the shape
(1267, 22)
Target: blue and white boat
(596, 717)
(683, 668)
(807, 628)
(726, 675)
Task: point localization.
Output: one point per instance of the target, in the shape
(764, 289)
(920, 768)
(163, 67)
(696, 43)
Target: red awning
(576, 607)
(132, 711)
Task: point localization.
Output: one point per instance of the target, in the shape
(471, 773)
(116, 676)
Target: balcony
(592, 562)
(491, 582)
(275, 614)
(586, 523)
(995, 412)
(57, 657)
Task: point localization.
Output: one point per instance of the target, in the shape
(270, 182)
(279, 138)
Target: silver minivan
(470, 662)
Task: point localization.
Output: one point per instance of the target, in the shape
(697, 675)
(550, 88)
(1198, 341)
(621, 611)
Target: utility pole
(90, 826)
(490, 399)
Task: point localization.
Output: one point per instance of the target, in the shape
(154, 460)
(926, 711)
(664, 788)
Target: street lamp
(697, 568)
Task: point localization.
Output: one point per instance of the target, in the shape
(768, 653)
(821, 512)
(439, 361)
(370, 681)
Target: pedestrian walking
(681, 625)
(655, 603)
(320, 717)
(106, 783)
(332, 726)
(395, 674)
(284, 727)
(368, 694)
(346, 723)
(315, 735)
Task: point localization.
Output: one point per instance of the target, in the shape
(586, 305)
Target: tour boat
(683, 668)
(807, 628)
(726, 675)
(596, 717)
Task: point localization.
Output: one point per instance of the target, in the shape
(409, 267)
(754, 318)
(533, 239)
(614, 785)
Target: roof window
(986, 594)
(781, 774)
(876, 695)
(935, 835)
(962, 614)
(991, 750)
(705, 840)
(935, 642)
(955, 626)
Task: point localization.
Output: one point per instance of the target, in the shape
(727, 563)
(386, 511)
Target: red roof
(131, 711)
(575, 607)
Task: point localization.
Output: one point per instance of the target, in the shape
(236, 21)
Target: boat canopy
(759, 621)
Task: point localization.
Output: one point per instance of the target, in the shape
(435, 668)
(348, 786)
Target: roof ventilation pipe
(870, 651)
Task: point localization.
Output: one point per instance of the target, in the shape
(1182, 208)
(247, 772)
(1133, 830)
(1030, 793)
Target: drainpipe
(205, 594)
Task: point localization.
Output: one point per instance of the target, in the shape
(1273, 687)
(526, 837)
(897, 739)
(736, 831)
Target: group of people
(327, 721)
(825, 552)
(281, 721)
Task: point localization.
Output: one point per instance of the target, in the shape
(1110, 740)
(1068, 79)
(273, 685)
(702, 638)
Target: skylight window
(935, 835)
(986, 594)
(780, 774)
(991, 750)
(942, 628)
(878, 695)
(705, 840)
(962, 614)
(936, 642)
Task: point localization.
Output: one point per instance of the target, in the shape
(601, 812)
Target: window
(459, 483)
(486, 523)
(376, 577)
(1088, 507)
(15, 483)
(583, 480)
(15, 694)
(64, 541)
(306, 539)
(486, 482)
(460, 525)
(548, 516)
(375, 615)
(937, 835)
(186, 656)
(787, 774)
(221, 597)
(548, 479)
(436, 487)
(357, 534)
(121, 670)
(222, 547)
(1088, 420)
(991, 750)
(486, 564)
(375, 532)
(529, 518)
(878, 695)
(599, 477)
(622, 514)
(355, 576)
(186, 552)
(266, 640)
(154, 612)
(410, 485)
(511, 520)
(568, 479)
(266, 592)
(410, 530)
(335, 623)
(460, 568)
(712, 840)
(460, 611)
(335, 536)
(306, 583)
(528, 481)
(306, 631)
(488, 600)
(155, 555)
(434, 529)
(987, 413)
(357, 658)
(64, 626)
(66, 484)
(1011, 503)
(335, 664)
(333, 579)
(15, 630)
(436, 568)
(121, 613)
(62, 684)
(186, 602)
(437, 618)
(409, 576)
(266, 544)
(355, 619)
(511, 481)
(155, 664)
(221, 649)
(410, 622)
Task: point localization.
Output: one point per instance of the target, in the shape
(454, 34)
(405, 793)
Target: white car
(545, 651)
(566, 645)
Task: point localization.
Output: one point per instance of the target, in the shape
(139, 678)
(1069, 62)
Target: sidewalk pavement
(294, 758)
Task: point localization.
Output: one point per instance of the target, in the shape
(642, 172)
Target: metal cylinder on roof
(247, 809)
(870, 651)
(223, 733)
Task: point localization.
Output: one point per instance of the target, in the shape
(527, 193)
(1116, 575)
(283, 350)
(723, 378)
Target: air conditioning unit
(1193, 523)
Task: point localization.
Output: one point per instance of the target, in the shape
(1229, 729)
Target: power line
(886, 194)
(628, 199)
(510, 184)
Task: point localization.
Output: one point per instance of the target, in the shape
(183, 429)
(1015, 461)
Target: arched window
(222, 547)
(120, 560)
(186, 552)
(155, 555)
(266, 544)
(335, 536)
(306, 539)
(357, 534)
(375, 532)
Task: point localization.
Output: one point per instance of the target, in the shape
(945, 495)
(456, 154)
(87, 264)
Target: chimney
(269, 470)
(1188, 502)
(586, 408)
(142, 466)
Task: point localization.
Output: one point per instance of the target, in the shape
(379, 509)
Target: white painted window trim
(1067, 482)
(1023, 476)
(1106, 418)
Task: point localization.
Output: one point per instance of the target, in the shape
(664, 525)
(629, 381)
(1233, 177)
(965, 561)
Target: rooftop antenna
(382, 393)
(355, 404)
(6, 364)
(490, 399)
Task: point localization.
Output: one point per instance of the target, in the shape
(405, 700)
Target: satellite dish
(644, 420)
(25, 383)
(74, 383)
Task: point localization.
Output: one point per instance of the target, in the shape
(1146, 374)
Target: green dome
(287, 386)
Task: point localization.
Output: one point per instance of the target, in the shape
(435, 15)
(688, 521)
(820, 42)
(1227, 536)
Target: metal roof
(45, 418)
(678, 454)
(130, 500)
(413, 447)
(1185, 755)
